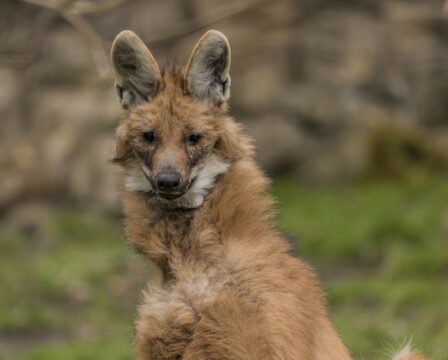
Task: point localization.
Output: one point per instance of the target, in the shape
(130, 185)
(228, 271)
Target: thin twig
(72, 11)
(95, 41)
(87, 7)
(67, 9)
(204, 20)
(79, 7)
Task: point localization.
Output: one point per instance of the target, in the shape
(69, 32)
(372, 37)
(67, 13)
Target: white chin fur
(135, 180)
(205, 180)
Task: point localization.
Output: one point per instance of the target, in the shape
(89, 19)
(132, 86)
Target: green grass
(69, 285)
(69, 290)
(114, 348)
(381, 249)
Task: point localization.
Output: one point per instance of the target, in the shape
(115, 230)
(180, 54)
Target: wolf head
(175, 138)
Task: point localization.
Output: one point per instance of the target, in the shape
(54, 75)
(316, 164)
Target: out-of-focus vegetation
(70, 285)
(381, 248)
(69, 288)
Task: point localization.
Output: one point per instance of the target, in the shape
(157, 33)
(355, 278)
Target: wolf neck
(238, 208)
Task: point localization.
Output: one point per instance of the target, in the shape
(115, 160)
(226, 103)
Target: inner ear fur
(207, 73)
(137, 73)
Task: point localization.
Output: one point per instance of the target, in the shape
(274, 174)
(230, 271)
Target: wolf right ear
(207, 73)
(137, 74)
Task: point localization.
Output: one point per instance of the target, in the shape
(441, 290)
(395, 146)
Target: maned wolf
(198, 206)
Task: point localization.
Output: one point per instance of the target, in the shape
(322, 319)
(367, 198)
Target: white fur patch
(205, 180)
(403, 354)
(135, 179)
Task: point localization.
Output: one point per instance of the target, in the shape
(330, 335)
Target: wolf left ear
(207, 73)
(137, 74)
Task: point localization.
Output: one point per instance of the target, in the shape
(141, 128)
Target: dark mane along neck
(197, 238)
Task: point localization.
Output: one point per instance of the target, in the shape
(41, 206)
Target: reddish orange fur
(230, 290)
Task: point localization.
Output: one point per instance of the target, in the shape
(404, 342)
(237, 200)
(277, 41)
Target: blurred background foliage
(348, 103)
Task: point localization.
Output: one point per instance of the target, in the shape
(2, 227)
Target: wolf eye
(149, 136)
(193, 139)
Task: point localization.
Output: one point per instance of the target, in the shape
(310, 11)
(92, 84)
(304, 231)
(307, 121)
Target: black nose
(168, 182)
